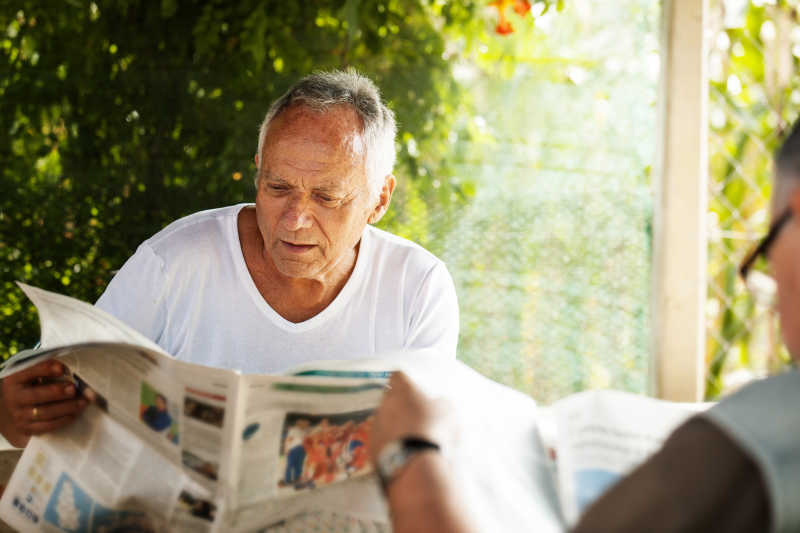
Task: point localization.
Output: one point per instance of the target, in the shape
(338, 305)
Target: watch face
(397, 454)
(391, 459)
(397, 460)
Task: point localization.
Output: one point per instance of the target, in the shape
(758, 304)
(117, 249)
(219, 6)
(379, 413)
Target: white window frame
(681, 201)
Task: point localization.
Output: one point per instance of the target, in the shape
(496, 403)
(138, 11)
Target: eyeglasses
(763, 247)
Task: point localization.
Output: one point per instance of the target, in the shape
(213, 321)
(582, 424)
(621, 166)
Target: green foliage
(754, 98)
(118, 117)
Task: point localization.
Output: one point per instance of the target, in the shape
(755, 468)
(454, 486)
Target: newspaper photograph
(321, 449)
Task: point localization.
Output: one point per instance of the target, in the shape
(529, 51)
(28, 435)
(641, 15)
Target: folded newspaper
(168, 445)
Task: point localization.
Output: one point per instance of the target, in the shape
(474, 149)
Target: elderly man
(300, 275)
(734, 468)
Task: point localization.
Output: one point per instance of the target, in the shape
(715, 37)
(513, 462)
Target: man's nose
(296, 215)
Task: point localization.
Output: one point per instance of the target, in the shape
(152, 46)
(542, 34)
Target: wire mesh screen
(754, 97)
(551, 258)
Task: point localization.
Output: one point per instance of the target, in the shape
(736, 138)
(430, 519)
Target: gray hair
(787, 169)
(323, 90)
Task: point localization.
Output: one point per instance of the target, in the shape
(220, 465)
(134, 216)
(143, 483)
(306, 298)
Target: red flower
(521, 7)
(504, 27)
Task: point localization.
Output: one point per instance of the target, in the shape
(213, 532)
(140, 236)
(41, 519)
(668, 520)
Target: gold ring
(35, 412)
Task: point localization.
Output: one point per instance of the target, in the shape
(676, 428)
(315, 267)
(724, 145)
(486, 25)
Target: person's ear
(384, 199)
(255, 158)
(794, 203)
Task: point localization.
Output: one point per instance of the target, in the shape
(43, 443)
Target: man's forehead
(337, 123)
(314, 145)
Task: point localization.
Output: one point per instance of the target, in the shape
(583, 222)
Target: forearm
(424, 499)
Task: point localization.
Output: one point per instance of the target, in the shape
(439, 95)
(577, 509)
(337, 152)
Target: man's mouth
(296, 247)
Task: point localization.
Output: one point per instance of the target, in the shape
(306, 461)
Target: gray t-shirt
(734, 468)
(763, 419)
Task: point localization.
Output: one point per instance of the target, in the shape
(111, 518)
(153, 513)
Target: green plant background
(754, 98)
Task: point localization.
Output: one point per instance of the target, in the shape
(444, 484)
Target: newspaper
(173, 446)
(170, 445)
(597, 437)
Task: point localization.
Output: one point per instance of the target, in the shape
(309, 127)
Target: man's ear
(383, 200)
(794, 203)
(255, 157)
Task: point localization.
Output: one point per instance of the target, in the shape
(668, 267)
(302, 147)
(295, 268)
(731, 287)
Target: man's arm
(699, 481)
(422, 497)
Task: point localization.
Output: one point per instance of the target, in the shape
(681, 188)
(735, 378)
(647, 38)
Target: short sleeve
(763, 419)
(135, 294)
(434, 314)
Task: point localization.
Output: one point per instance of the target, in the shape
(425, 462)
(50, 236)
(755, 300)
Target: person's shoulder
(199, 236)
(196, 224)
(762, 395)
(761, 419)
(394, 248)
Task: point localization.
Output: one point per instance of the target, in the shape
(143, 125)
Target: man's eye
(277, 187)
(326, 200)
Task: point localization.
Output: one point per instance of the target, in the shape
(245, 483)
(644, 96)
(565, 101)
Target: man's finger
(50, 411)
(43, 394)
(38, 428)
(45, 369)
(90, 394)
(398, 379)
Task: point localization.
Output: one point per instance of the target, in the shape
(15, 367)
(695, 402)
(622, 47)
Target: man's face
(313, 202)
(784, 258)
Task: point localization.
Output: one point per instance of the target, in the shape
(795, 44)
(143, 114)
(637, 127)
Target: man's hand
(36, 401)
(423, 498)
(405, 410)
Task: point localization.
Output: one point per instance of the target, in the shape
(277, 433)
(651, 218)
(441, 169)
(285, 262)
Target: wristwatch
(397, 454)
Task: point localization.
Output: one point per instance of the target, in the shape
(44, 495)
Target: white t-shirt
(188, 289)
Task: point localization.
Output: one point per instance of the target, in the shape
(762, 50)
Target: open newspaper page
(178, 409)
(304, 446)
(65, 321)
(499, 460)
(120, 473)
(96, 475)
(600, 436)
(496, 453)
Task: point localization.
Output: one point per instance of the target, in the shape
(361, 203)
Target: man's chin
(296, 269)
